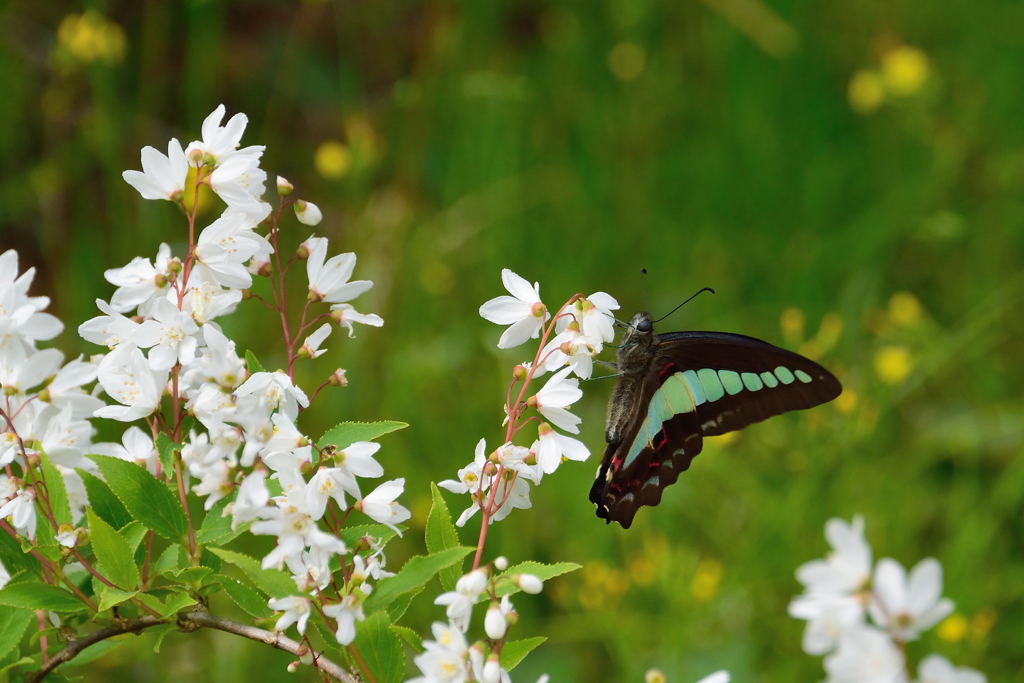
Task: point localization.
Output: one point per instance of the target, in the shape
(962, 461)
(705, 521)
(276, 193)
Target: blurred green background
(849, 176)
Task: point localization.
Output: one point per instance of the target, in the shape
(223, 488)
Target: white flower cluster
(44, 405)
(862, 619)
(449, 658)
(163, 339)
(500, 482)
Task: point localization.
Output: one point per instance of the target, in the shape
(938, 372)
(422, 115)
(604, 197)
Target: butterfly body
(676, 388)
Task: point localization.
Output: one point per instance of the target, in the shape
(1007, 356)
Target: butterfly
(676, 388)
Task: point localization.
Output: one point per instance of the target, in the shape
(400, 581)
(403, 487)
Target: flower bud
(494, 622)
(160, 280)
(308, 213)
(492, 670)
(538, 310)
(174, 266)
(532, 401)
(265, 269)
(196, 157)
(338, 378)
(45, 396)
(501, 563)
(490, 468)
(284, 188)
(519, 372)
(293, 667)
(529, 583)
(302, 251)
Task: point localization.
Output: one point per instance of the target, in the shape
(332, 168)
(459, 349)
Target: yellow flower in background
(905, 70)
(953, 628)
(627, 61)
(893, 364)
(847, 401)
(332, 159)
(865, 91)
(90, 37)
(904, 309)
(792, 323)
(706, 580)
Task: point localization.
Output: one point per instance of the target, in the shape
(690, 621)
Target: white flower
(938, 669)
(459, 602)
(331, 482)
(162, 177)
(111, 329)
(328, 281)
(595, 317)
(136, 446)
(20, 315)
(227, 243)
(308, 213)
(274, 391)
(139, 281)
(444, 659)
(515, 491)
(717, 677)
(171, 334)
(551, 447)
(347, 613)
(21, 369)
(523, 312)
(848, 568)
(381, 506)
(908, 607)
(345, 315)
(828, 617)
(471, 477)
(219, 142)
(22, 512)
(296, 611)
(252, 497)
(553, 398)
(573, 348)
(126, 376)
(65, 388)
(311, 345)
(240, 182)
(865, 655)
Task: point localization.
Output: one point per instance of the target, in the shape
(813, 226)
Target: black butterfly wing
(658, 445)
(699, 383)
(739, 380)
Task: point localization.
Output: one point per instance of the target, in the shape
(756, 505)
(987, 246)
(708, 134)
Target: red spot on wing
(669, 367)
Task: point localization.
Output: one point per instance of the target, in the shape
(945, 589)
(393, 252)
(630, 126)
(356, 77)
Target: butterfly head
(640, 329)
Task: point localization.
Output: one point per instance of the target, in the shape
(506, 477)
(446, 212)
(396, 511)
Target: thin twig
(192, 621)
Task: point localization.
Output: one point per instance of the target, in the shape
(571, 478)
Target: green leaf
(412, 638)
(416, 572)
(378, 532)
(252, 363)
(172, 604)
(34, 595)
(56, 491)
(165, 449)
(216, 528)
(115, 557)
(245, 597)
(441, 535)
(24, 661)
(539, 569)
(161, 632)
(381, 649)
(272, 582)
(12, 627)
(103, 500)
(514, 651)
(347, 433)
(17, 559)
(169, 560)
(111, 597)
(133, 534)
(397, 609)
(146, 498)
(194, 576)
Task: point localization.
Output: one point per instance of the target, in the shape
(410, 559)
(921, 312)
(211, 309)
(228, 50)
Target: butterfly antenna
(694, 296)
